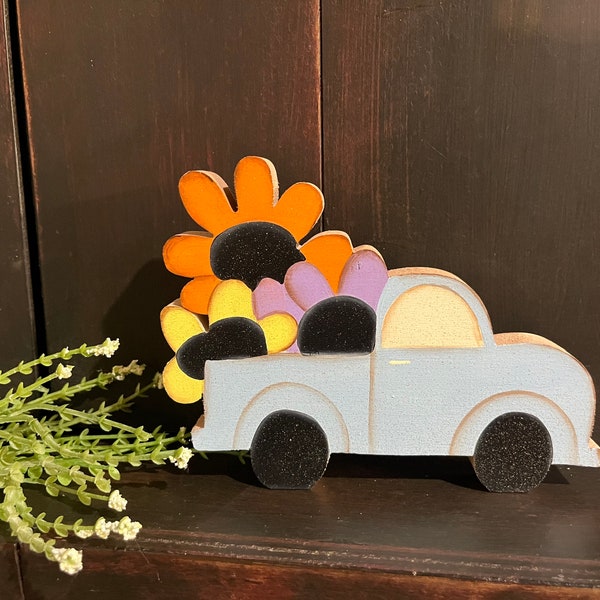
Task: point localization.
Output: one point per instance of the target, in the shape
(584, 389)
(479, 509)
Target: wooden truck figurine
(403, 362)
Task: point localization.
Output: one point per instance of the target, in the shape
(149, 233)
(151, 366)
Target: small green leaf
(52, 489)
(84, 498)
(44, 360)
(113, 461)
(64, 478)
(114, 473)
(42, 525)
(76, 475)
(104, 425)
(141, 434)
(50, 469)
(38, 448)
(101, 483)
(16, 474)
(37, 544)
(24, 369)
(35, 472)
(133, 460)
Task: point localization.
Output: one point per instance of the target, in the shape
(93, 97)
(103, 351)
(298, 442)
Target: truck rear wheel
(289, 451)
(513, 454)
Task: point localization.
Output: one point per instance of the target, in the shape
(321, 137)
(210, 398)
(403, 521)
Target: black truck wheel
(513, 454)
(289, 451)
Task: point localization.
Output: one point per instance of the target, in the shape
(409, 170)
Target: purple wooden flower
(364, 276)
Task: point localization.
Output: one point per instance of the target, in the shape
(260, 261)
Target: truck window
(430, 316)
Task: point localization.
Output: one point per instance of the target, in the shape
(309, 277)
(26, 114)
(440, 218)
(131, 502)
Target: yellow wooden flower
(230, 298)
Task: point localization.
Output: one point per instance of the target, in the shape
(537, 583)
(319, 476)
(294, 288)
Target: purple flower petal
(306, 285)
(270, 297)
(364, 276)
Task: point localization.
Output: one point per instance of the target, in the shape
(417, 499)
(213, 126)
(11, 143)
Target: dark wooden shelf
(373, 527)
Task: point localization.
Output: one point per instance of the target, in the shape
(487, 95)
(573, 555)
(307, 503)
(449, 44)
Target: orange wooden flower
(329, 251)
(209, 202)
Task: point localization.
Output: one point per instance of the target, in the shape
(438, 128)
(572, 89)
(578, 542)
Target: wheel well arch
(298, 398)
(559, 426)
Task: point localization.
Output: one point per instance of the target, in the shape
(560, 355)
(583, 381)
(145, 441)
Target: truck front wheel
(513, 454)
(289, 451)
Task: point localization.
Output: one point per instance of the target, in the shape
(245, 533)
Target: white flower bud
(128, 528)
(70, 560)
(181, 457)
(103, 528)
(116, 501)
(64, 371)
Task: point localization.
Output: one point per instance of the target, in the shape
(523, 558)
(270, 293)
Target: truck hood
(519, 337)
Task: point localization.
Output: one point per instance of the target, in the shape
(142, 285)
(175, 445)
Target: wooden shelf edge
(157, 575)
(473, 566)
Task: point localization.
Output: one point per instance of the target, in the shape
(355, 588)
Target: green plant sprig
(42, 443)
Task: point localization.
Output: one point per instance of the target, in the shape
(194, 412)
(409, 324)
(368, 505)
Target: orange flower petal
(329, 251)
(205, 198)
(196, 294)
(188, 254)
(256, 189)
(299, 209)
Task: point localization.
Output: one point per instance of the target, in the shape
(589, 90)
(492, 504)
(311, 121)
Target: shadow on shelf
(454, 470)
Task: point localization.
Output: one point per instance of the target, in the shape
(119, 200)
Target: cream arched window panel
(430, 316)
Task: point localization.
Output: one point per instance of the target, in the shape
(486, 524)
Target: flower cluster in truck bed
(256, 286)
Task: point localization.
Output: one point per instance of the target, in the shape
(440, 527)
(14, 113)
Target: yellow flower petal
(329, 251)
(256, 189)
(204, 195)
(179, 386)
(231, 298)
(188, 254)
(195, 295)
(280, 331)
(299, 209)
(179, 324)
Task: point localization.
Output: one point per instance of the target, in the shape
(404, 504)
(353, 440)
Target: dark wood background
(461, 134)
(17, 322)
(464, 135)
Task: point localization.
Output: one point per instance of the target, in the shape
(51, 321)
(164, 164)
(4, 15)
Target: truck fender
(559, 426)
(299, 398)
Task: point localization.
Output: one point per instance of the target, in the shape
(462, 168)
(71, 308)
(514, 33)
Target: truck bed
(232, 387)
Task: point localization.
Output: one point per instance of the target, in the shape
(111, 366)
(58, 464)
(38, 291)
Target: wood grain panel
(154, 576)
(10, 577)
(420, 525)
(464, 135)
(122, 99)
(16, 308)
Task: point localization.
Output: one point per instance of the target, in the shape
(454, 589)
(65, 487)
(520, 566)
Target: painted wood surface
(432, 397)
(436, 379)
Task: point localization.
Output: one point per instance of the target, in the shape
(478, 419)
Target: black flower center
(252, 251)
